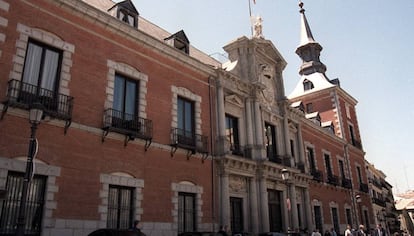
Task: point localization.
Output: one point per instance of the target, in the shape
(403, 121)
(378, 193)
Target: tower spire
(308, 49)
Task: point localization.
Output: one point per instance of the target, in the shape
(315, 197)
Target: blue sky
(366, 44)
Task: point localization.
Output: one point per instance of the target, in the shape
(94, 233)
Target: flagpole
(250, 19)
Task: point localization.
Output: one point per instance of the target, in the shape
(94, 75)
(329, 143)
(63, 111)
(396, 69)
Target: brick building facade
(138, 124)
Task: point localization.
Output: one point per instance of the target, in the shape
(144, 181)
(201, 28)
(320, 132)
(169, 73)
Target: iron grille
(34, 204)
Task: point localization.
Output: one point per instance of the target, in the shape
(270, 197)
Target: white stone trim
(176, 188)
(19, 165)
(120, 180)
(184, 92)
(68, 49)
(130, 72)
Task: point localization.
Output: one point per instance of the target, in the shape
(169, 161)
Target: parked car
(272, 234)
(114, 232)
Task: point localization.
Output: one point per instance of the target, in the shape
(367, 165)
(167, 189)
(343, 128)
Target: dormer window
(180, 41)
(307, 85)
(126, 12)
(128, 18)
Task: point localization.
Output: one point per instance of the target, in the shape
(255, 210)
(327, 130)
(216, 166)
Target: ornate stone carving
(237, 184)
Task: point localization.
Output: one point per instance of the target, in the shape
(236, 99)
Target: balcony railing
(130, 125)
(363, 187)
(190, 141)
(317, 175)
(333, 180)
(301, 166)
(346, 183)
(23, 95)
(378, 201)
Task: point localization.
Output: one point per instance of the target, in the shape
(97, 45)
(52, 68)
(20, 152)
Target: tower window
(307, 85)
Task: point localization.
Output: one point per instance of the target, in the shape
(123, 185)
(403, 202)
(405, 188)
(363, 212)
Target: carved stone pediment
(235, 100)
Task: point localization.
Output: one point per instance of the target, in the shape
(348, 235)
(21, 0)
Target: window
(318, 217)
(307, 85)
(309, 107)
(341, 169)
(311, 158)
(185, 119)
(348, 216)
(292, 147)
(275, 211)
(186, 212)
(335, 219)
(327, 159)
(125, 97)
(232, 134)
(271, 148)
(236, 214)
(34, 204)
(41, 71)
(352, 134)
(120, 207)
(128, 17)
(359, 174)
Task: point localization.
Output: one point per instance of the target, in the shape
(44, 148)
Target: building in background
(383, 205)
(405, 207)
(140, 125)
(331, 139)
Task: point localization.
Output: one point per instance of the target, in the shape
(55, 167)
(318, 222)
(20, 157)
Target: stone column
(254, 211)
(302, 157)
(293, 206)
(249, 125)
(221, 120)
(258, 143)
(225, 199)
(286, 138)
(264, 208)
(308, 210)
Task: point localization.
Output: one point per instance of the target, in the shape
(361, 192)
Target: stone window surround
(311, 146)
(18, 164)
(184, 92)
(120, 179)
(187, 187)
(130, 72)
(68, 49)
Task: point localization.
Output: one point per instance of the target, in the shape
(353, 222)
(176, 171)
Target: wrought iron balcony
(130, 125)
(55, 105)
(236, 149)
(346, 183)
(333, 180)
(301, 166)
(363, 187)
(317, 175)
(190, 141)
(378, 201)
(276, 159)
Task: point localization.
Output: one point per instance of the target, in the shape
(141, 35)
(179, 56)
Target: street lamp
(35, 115)
(286, 177)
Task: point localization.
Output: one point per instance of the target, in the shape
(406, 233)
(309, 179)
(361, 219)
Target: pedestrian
(333, 232)
(137, 228)
(327, 233)
(223, 230)
(348, 231)
(379, 231)
(316, 233)
(361, 231)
